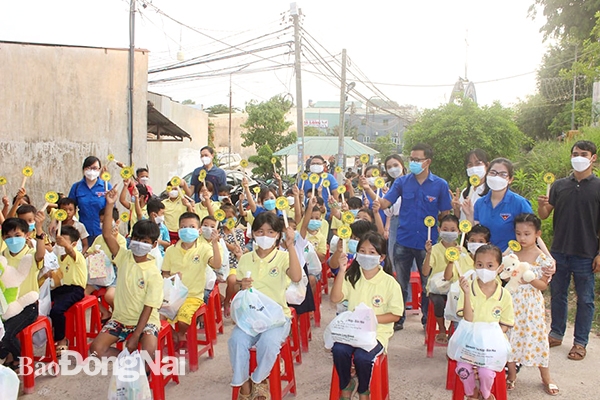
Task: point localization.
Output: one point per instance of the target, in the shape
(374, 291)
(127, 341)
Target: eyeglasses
(417, 159)
(501, 174)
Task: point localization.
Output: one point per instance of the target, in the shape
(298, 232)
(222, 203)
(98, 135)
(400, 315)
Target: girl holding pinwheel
(476, 164)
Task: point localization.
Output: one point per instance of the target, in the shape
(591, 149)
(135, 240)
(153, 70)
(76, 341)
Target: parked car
(229, 161)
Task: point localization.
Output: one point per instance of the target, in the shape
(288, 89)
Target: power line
(212, 75)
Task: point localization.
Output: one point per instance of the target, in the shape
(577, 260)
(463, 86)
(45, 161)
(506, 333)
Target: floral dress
(235, 237)
(529, 336)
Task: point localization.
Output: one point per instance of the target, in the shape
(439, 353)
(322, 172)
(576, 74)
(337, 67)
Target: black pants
(439, 303)
(63, 298)
(12, 327)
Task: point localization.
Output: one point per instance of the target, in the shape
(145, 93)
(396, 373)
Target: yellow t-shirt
(318, 241)
(138, 285)
(74, 271)
(30, 284)
(192, 265)
(438, 262)
(134, 216)
(497, 308)
(173, 210)
(336, 223)
(202, 211)
(269, 275)
(382, 293)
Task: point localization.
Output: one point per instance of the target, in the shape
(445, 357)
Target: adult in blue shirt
(423, 194)
(214, 175)
(317, 166)
(89, 194)
(498, 208)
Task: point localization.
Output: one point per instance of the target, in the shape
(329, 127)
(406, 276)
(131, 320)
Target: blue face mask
(355, 212)
(15, 244)
(269, 205)
(352, 245)
(188, 235)
(31, 227)
(314, 224)
(415, 167)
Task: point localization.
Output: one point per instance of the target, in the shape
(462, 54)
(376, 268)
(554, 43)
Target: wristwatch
(41, 236)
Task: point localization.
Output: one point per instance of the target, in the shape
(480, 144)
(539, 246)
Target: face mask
(485, 275)
(265, 242)
(371, 181)
(15, 244)
(355, 212)
(223, 198)
(159, 219)
(367, 261)
(139, 249)
(415, 167)
(207, 232)
(352, 245)
(59, 250)
(206, 160)
(188, 235)
(91, 174)
(496, 183)
(478, 170)
(580, 164)
(291, 200)
(314, 224)
(473, 247)
(394, 172)
(144, 180)
(449, 237)
(269, 205)
(31, 227)
(316, 169)
(174, 194)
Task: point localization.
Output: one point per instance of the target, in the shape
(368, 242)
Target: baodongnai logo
(127, 370)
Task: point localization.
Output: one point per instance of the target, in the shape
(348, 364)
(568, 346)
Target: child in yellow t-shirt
(441, 272)
(189, 258)
(174, 207)
(135, 201)
(207, 206)
(139, 291)
(74, 280)
(365, 281)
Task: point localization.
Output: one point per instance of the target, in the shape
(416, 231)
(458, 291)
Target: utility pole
(230, 105)
(574, 93)
(131, 67)
(341, 156)
(295, 12)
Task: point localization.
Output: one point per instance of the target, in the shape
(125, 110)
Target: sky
(411, 51)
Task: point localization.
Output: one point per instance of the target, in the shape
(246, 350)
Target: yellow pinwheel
(452, 254)
(429, 221)
(344, 232)
(124, 217)
(60, 215)
(465, 226)
(347, 218)
(514, 245)
(127, 172)
(220, 215)
(51, 197)
(27, 171)
(282, 203)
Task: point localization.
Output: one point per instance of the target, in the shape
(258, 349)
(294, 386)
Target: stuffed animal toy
(515, 270)
(10, 280)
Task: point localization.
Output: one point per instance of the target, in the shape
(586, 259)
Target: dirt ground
(412, 375)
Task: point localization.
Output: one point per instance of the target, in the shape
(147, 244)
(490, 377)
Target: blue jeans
(581, 270)
(403, 262)
(392, 236)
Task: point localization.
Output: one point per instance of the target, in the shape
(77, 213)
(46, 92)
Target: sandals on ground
(551, 389)
(348, 391)
(60, 348)
(510, 384)
(553, 342)
(441, 338)
(261, 390)
(577, 353)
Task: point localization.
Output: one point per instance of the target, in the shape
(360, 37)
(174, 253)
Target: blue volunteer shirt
(90, 201)
(333, 185)
(500, 220)
(215, 175)
(381, 212)
(418, 201)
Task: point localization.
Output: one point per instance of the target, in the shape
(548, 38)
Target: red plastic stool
(305, 332)
(100, 295)
(206, 345)
(157, 380)
(450, 372)
(380, 384)
(498, 388)
(276, 376)
(26, 338)
(77, 332)
(415, 285)
(214, 305)
(325, 273)
(295, 338)
(431, 330)
(317, 300)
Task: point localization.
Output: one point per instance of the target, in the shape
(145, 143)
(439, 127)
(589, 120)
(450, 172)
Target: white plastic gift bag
(312, 259)
(296, 291)
(129, 380)
(44, 306)
(9, 384)
(437, 284)
(452, 303)
(223, 272)
(175, 294)
(211, 278)
(158, 257)
(482, 344)
(254, 312)
(357, 328)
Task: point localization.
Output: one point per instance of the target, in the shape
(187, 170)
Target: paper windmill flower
(176, 181)
(375, 173)
(379, 183)
(338, 169)
(27, 171)
(124, 217)
(202, 175)
(169, 188)
(304, 176)
(282, 203)
(273, 160)
(364, 158)
(243, 163)
(464, 226)
(341, 189)
(429, 221)
(326, 183)
(549, 178)
(51, 197)
(230, 223)
(452, 254)
(347, 217)
(219, 215)
(3, 181)
(60, 215)
(105, 176)
(474, 180)
(345, 232)
(324, 175)
(127, 172)
(514, 245)
(256, 189)
(313, 178)
(111, 157)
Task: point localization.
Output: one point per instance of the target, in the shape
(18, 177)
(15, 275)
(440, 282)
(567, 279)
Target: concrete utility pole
(295, 12)
(574, 93)
(131, 68)
(341, 155)
(230, 105)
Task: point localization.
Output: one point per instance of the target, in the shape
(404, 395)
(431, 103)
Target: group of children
(267, 255)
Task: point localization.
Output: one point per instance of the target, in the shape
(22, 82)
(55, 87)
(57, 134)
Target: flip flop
(553, 342)
(60, 349)
(510, 384)
(577, 353)
(551, 389)
(441, 338)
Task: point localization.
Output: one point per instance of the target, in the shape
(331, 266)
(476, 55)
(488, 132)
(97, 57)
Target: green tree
(266, 124)
(566, 18)
(220, 109)
(312, 131)
(452, 130)
(262, 160)
(385, 146)
(535, 115)
(349, 130)
(188, 102)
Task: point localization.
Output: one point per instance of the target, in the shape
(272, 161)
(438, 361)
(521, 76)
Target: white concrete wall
(221, 122)
(60, 104)
(172, 158)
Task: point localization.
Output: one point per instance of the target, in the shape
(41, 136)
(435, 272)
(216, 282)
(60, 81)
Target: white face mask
(371, 181)
(367, 261)
(479, 170)
(91, 174)
(144, 180)
(473, 247)
(449, 237)
(496, 183)
(206, 160)
(291, 200)
(174, 194)
(139, 249)
(316, 169)
(485, 275)
(265, 242)
(394, 172)
(207, 232)
(580, 164)
(159, 219)
(59, 250)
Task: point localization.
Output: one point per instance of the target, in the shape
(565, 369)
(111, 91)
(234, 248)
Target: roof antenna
(466, 53)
